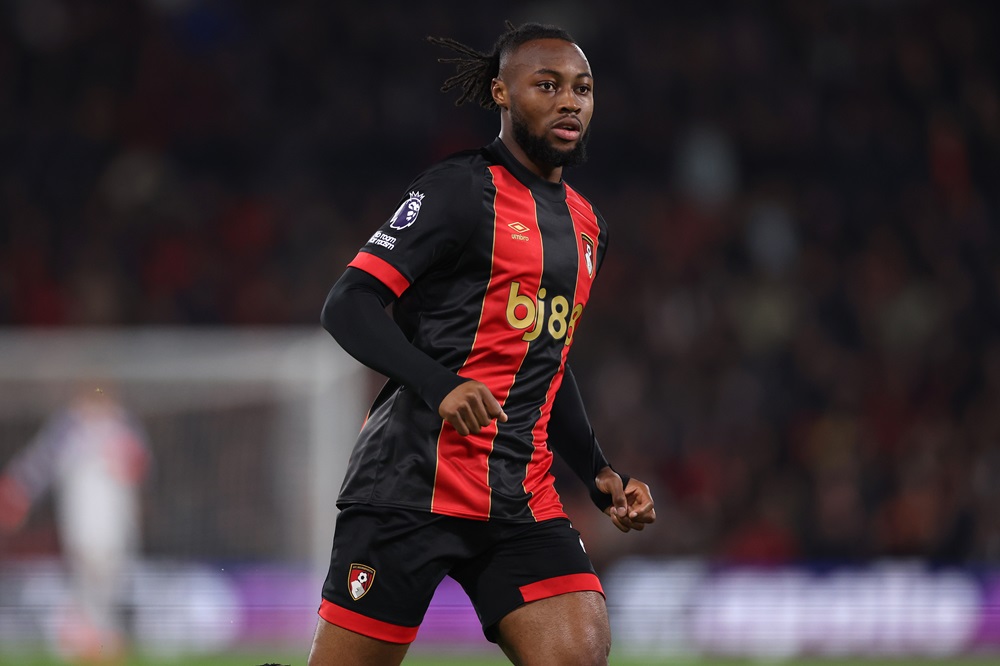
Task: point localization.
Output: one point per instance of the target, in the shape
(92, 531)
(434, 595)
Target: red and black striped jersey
(492, 268)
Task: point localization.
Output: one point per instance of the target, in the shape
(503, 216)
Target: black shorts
(387, 562)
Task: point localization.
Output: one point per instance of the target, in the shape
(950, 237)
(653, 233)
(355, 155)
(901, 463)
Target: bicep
(430, 224)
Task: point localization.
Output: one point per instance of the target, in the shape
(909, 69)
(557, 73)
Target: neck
(543, 171)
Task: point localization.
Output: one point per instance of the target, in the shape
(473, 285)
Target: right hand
(632, 506)
(470, 407)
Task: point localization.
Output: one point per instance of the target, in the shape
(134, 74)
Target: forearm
(354, 314)
(572, 437)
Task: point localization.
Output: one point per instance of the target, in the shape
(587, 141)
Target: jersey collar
(538, 186)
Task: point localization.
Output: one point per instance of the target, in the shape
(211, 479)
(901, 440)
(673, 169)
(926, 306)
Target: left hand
(632, 506)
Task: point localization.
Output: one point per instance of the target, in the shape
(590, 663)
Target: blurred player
(94, 456)
(488, 261)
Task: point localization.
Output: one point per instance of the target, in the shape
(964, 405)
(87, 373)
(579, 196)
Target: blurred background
(793, 340)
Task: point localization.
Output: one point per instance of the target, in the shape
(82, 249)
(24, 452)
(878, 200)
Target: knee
(585, 653)
(589, 642)
(584, 645)
(592, 648)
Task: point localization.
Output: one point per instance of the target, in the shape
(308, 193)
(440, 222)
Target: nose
(569, 103)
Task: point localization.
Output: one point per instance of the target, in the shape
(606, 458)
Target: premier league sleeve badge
(408, 211)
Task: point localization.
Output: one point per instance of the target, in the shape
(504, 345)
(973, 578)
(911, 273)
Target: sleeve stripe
(382, 270)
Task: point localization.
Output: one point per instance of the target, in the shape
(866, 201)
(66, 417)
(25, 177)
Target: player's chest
(540, 242)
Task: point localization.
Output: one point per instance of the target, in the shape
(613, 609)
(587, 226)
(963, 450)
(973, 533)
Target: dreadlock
(476, 70)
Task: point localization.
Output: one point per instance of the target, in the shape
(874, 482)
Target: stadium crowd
(794, 337)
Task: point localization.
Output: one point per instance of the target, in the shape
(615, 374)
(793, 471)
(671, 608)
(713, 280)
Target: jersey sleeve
(354, 314)
(602, 247)
(573, 438)
(431, 222)
(34, 468)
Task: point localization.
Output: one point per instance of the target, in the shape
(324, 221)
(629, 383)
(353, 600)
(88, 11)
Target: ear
(499, 90)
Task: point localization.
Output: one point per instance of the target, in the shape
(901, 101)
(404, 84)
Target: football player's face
(548, 91)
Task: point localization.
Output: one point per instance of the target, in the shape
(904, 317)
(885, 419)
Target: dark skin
(548, 86)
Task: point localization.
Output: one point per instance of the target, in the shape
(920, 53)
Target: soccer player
(488, 261)
(95, 455)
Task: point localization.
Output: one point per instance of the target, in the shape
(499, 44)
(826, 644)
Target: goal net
(249, 431)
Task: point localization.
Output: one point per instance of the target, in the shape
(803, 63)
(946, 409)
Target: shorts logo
(359, 580)
(408, 211)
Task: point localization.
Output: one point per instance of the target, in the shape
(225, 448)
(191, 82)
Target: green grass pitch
(426, 660)
(297, 658)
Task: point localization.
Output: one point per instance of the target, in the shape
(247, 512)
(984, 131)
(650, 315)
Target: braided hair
(476, 70)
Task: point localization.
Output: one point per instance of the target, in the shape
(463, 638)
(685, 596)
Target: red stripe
(383, 270)
(553, 587)
(461, 484)
(585, 222)
(545, 502)
(366, 626)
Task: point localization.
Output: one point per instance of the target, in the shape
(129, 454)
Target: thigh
(523, 564)
(566, 630)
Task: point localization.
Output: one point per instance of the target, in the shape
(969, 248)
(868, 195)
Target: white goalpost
(258, 416)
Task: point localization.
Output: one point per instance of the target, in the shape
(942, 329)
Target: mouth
(568, 129)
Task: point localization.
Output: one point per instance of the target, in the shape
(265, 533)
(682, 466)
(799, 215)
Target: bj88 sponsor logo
(534, 314)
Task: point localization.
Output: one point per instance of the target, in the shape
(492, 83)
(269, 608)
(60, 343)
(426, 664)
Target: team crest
(408, 211)
(588, 253)
(359, 580)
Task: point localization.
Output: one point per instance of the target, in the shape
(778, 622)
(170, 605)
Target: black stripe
(513, 449)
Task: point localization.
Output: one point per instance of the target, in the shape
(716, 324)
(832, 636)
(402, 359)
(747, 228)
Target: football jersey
(492, 267)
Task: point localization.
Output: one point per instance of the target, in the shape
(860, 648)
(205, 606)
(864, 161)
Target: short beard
(541, 151)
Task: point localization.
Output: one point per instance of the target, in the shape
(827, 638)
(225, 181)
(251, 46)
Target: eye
(547, 86)
(583, 90)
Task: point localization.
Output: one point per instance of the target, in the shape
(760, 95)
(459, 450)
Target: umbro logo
(521, 229)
